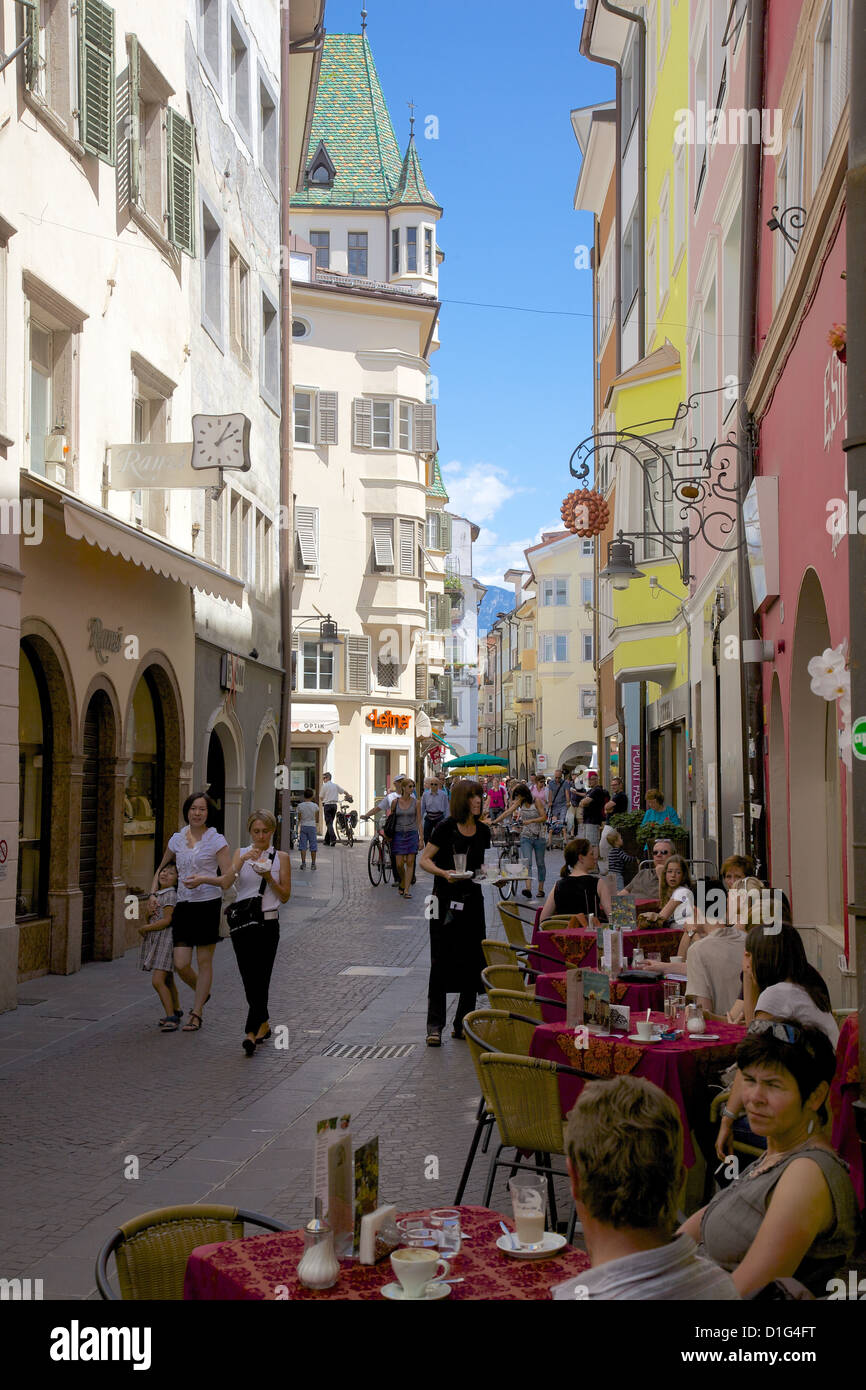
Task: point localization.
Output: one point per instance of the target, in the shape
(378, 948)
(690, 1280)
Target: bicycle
(379, 866)
(345, 822)
(509, 855)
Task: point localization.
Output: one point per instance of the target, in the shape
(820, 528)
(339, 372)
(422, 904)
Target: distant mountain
(494, 602)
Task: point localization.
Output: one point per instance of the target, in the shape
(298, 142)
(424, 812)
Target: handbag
(389, 829)
(248, 912)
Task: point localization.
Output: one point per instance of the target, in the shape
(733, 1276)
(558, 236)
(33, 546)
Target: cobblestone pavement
(88, 1084)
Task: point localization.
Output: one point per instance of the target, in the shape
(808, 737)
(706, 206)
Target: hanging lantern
(585, 512)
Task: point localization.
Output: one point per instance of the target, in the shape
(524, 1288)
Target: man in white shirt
(330, 795)
(713, 966)
(625, 1160)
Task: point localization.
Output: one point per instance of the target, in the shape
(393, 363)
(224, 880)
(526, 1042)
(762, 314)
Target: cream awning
(315, 719)
(117, 538)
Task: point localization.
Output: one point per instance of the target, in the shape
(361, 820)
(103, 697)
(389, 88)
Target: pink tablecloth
(578, 947)
(265, 1267)
(636, 997)
(843, 1093)
(682, 1069)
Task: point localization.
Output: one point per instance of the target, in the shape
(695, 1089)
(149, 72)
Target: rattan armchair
(485, 1029)
(516, 1001)
(504, 977)
(498, 952)
(559, 922)
(151, 1251)
(513, 924)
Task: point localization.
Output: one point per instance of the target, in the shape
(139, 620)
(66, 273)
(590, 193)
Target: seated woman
(793, 1211)
(578, 888)
(656, 814)
(677, 895)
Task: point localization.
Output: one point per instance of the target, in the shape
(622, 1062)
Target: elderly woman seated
(793, 1211)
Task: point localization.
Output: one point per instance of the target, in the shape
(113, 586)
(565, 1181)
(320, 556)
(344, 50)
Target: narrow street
(87, 1083)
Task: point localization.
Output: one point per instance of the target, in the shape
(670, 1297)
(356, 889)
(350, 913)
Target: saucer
(636, 1037)
(435, 1290)
(550, 1245)
(467, 873)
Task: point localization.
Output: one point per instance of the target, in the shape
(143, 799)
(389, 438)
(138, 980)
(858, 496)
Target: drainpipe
(855, 453)
(751, 680)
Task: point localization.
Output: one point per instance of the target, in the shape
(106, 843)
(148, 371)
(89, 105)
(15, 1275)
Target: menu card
(623, 913)
(574, 998)
(620, 1018)
(596, 1000)
(612, 954)
(331, 1181)
(366, 1184)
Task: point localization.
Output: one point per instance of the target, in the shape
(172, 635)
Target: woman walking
(203, 861)
(265, 873)
(407, 835)
(531, 819)
(457, 921)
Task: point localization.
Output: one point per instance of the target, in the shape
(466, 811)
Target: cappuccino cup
(416, 1268)
(645, 1028)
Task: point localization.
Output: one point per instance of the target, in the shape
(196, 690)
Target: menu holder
(596, 1000)
(620, 1018)
(366, 1184)
(574, 998)
(623, 912)
(340, 1215)
(612, 952)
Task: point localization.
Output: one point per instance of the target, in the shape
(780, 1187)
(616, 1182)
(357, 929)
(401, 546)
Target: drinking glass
(460, 863)
(527, 1196)
(415, 1234)
(637, 958)
(446, 1222)
(654, 955)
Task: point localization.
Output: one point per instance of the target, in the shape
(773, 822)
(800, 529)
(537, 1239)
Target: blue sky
(515, 388)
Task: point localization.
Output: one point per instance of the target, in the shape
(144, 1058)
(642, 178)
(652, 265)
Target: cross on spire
(412, 108)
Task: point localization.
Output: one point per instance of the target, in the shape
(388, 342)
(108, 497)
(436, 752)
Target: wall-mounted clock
(221, 441)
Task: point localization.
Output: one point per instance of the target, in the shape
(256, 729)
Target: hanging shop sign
(389, 720)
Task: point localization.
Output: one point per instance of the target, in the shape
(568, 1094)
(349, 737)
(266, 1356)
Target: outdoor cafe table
(637, 997)
(682, 1069)
(577, 945)
(265, 1267)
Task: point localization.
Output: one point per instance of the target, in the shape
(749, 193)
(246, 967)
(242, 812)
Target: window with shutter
(425, 429)
(445, 531)
(307, 531)
(358, 665)
(420, 681)
(134, 119)
(326, 413)
(407, 547)
(181, 182)
(420, 549)
(443, 613)
(362, 424)
(432, 530)
(447, 690)
(31, 52)
(96, 78)
(383, 544)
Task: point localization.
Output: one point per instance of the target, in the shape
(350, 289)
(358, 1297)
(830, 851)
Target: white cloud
(477, 490)
(492, 555)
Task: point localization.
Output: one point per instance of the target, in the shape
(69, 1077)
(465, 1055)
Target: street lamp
(620, 568)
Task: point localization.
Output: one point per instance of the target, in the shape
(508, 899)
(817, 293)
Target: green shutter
(96, 78)
(445, 532)
(181, 183)
(134, 100)
(31, 52)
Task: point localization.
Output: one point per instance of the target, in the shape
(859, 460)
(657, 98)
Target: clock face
(221, 441)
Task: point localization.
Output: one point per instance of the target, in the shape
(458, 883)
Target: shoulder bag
(248, 912)
(389, 828)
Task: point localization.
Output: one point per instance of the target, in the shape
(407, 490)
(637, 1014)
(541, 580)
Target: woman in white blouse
(255, 946)
(203, 861)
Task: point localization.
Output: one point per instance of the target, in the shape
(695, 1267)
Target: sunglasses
(661, 853)
(784, 1032)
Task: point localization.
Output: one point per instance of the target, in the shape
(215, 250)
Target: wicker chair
(151, 1251)
(560, 921)
(498, 953)
(504, 977)
(513, 924)
(485, 1029)
(516, 1001)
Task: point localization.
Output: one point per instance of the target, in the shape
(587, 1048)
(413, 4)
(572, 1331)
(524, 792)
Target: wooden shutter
(420, 680)
(407, 547)
(383, 543)
(358, 665)
(444, 531)
(326, 417)
(307, 531)
(445, 607)
(425, 429)
(181, 182)
(362, 424)
(447, 698)
(31, 52)
(96, 78)
(133, 144)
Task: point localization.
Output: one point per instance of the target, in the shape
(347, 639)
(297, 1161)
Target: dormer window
(320, 170)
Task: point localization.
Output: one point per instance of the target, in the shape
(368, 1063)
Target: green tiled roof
(437, 487)
(352, 120)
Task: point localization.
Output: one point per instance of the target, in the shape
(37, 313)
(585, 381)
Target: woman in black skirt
(203, 861)
(578, 888)
(457, 910)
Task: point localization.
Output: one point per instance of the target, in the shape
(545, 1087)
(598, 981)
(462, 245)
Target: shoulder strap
(263, 885)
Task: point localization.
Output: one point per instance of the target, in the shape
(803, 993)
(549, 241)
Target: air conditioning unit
(232, 670)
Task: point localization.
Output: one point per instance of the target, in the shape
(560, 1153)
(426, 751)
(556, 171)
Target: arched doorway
(225, 776)
(264, 788)
(144, 792)
(35, 756)
(780, 864)
(813, 774)
(95, 849)
(215, 776)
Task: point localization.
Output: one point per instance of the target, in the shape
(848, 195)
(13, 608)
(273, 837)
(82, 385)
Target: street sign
(858, 737)
(541, 762)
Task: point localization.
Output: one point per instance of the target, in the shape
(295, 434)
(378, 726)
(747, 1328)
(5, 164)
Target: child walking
(157, 952)
(308, 819)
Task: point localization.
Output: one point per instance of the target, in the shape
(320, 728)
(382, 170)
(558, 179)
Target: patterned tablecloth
(578, 947)
(843, 1093)
(682, 1069)
(265, 1267)
(636, 997)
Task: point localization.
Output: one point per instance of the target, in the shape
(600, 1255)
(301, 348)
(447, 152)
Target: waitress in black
(457, 922)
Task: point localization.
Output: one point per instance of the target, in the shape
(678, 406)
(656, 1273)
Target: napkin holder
(375, 1221)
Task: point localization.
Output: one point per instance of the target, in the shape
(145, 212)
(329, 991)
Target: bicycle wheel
(509, 887)
(387, 864)
(374, 862)
(350, 834)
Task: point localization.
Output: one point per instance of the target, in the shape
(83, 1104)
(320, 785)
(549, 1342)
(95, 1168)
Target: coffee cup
(645, 1028)
(416, 1268)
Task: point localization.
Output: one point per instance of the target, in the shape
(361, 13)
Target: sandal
(192, 1027)
(168, 1024)
(263, 1038)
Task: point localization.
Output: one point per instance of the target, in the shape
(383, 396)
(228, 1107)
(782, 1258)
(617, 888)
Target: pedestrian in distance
(157, 948)
(406, 839)
(592, 806)
(330, 794)
(264, 873)
(434, 807)
(530, 817)
(457, 926)
(203, 861)
(308, 819)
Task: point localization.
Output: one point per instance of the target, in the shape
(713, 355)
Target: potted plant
(633, 840)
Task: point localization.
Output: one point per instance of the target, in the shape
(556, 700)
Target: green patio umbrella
(475, 760)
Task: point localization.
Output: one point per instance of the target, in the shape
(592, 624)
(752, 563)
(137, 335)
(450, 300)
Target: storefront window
(304, 773)
(143, 792)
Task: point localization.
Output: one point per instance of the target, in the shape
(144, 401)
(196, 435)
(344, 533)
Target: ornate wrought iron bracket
(796, 217)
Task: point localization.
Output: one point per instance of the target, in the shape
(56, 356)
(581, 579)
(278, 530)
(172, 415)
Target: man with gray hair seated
(624, 1141)
(647, 883)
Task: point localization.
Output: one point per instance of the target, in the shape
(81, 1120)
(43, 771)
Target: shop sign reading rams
(387, 720)
(103, 639)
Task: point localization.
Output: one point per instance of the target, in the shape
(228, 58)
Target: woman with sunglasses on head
(793, 1212)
